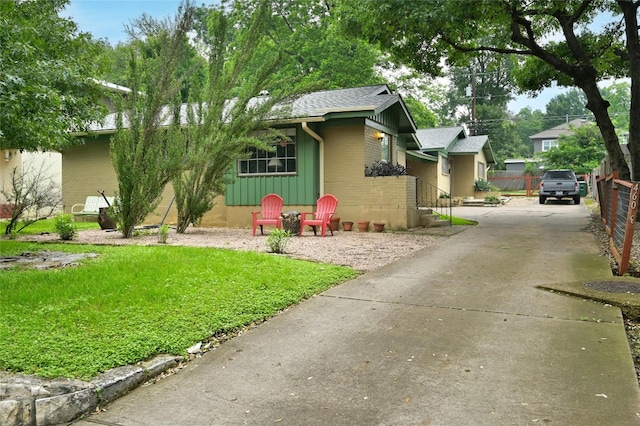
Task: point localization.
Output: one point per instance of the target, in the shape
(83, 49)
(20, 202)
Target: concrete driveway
(457, 335)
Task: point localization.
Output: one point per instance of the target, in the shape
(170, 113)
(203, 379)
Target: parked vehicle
(559, 184)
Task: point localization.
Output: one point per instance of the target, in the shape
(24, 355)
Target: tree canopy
(580, 151)
(549, 41)
(47, 76)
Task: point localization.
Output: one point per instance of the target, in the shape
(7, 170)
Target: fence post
(628, 231)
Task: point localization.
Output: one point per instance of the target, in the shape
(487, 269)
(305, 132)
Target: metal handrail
(434, 198)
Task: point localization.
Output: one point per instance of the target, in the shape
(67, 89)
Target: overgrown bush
(382, 168)
(278, 240)
(65, 226)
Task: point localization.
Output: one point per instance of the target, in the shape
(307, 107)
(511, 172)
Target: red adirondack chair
(270, 214)
(325, 208)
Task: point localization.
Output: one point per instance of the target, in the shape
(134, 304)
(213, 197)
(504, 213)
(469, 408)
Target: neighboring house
(29, 163)
(548, 139)
(49, 161)
(448, 159)
(334, 135)
(543, 142)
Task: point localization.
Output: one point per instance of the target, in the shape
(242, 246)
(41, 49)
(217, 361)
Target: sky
(106, 19)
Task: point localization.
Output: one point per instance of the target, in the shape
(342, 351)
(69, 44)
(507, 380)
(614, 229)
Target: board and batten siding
(299, 189)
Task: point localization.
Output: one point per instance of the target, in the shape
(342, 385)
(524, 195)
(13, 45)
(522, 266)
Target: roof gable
(439, 139)
(474, 145)
(559, 130)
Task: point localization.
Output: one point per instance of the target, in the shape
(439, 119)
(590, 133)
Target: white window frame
(385, 148)
(547, 144)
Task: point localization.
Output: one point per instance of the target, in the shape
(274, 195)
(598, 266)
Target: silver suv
(559, 184)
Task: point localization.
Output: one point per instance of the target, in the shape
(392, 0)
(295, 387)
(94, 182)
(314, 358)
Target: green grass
(46, 226)
(458, 220)
(132, 302)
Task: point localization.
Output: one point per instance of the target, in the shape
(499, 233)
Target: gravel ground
(362, 251)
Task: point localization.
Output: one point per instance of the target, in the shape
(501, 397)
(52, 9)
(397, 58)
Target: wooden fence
(618, 208)
(508, 181)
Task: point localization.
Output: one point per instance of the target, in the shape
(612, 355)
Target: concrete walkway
(459, 335)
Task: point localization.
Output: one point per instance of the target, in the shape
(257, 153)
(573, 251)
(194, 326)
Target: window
(481, 170)
(385, 149)
(547, 144)
(282, 160)
(445, 166)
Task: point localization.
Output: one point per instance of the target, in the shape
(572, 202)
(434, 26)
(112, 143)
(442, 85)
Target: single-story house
(334, 135)
(50, 162)
(449, 160)
(46, 163)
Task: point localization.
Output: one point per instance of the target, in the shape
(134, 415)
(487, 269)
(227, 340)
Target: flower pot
(378, 226)
(347, 226)
(363, 226)
(334, 223)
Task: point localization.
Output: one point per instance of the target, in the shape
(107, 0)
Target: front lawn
(46, 226)
(133, 302)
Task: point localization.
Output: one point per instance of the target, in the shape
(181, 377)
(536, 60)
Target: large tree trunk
(599, 106)
(629, 12)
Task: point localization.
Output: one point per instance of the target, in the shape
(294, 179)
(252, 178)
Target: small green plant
(482, 185)
(491, 199)
(163, 233)
(277, 240)
(65, 226)
(445, 195)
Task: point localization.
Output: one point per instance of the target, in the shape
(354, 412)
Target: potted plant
(334, 223)
(378, 226)
(363, 226)
(347, 226)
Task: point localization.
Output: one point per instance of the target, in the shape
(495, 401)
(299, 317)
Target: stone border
(31, 400)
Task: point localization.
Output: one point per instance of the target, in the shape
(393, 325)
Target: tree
(619, 96)
(146, 154)
(33, 195)
(423, 33)
(527, 123)
(478, 96)
(565, 107)
(226, 115)
(422, 116)
(314, 50)
(581, 151)
(47, 71)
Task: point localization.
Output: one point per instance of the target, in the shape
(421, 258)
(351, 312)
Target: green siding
(300, 189)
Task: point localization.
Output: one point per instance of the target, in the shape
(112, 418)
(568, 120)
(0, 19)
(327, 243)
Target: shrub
(278, 240)
(492, 199)
(163, 233)
(482, 185)
(65, 226)
(382, 168)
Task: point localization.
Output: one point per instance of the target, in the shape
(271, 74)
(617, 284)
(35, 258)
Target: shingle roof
(439, 138)
(369, 100)
(562, 129)
(470, 144)
(473, 145)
